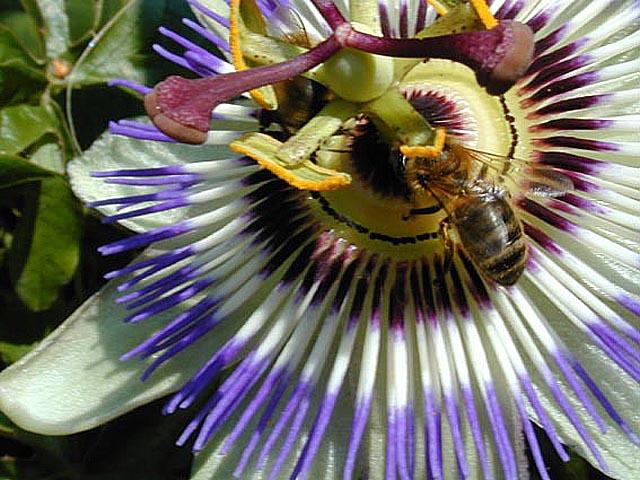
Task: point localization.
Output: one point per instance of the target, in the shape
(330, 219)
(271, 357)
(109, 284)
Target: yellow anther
(303, 176)
(236, 52)
(428, 151)
(485, 15)
(440, 7)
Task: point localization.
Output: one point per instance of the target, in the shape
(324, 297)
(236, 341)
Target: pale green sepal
(309, 138)
(74, 380)
(113, 152)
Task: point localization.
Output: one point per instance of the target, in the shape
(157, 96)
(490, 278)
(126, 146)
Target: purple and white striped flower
(341, 345)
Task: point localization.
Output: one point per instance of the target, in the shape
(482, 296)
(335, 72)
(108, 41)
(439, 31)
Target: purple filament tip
(139, 132)
(121, 82)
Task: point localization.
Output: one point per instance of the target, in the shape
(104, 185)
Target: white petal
(211, 464)
(75, 380)
(115, 152)
(621, 390)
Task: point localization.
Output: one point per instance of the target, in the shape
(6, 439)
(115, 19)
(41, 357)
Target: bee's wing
(528, 177)
(546, 182)
(286, 24)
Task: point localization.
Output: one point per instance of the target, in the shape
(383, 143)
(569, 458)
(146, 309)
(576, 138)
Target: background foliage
(55, 59)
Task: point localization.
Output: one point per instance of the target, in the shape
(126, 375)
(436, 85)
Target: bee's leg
(448, 244)
(408, 216)
(411, 213)
(422, 211)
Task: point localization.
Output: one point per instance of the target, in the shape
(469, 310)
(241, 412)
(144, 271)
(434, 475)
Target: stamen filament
(439, 7)
(398, 121)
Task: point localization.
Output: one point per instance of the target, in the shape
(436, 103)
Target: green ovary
(358, 76)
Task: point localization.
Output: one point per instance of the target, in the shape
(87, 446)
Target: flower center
(373, 212)
(353, 113)
(478, 115)
(356, 127)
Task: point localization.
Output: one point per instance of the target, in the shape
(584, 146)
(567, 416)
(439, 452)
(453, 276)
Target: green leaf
(25, 31)
(21, 78)
(149, 452)
(10, 352)
(152, 436)
(31, 8)
(50, 157)
(62, 129)
(45, 251)
(8, 468)
(82, 17)
(23, 125)
(12, 57)
(17, 87)
(121, 49)
(15, 171)
(107, 9)
(6, 425)
(56, 24)
(46, 457)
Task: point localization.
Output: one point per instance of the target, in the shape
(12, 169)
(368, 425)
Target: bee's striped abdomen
(491, 235)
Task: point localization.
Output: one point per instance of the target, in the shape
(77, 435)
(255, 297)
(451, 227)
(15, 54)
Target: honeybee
(299, 98)
(478, 206)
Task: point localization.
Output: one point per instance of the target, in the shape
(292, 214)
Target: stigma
(357, 67)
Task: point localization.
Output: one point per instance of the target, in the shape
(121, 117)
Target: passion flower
(302, 270)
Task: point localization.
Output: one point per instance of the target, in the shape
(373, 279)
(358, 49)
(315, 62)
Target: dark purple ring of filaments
(181, 108)
(283, 204)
